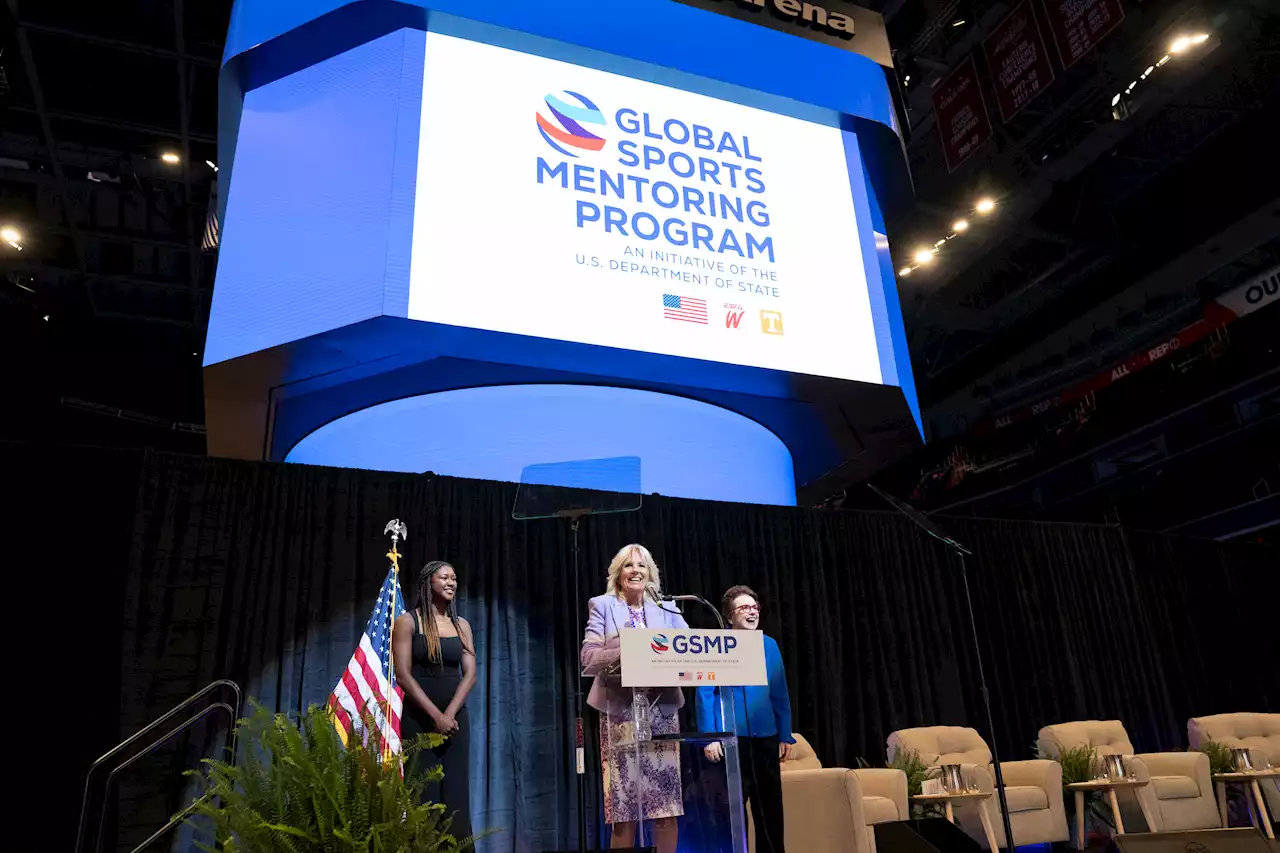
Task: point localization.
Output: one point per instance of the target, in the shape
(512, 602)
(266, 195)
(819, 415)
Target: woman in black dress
(436, 666)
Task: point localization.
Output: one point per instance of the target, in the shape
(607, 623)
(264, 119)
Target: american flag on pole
(684, 308)
(362, 690)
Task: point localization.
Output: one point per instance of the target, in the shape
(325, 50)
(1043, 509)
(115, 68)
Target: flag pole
(398, 531)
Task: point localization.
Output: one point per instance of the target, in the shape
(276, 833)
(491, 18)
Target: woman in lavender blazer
(631, 601)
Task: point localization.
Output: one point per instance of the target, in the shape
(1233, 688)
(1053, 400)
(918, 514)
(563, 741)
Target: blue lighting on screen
(320, 215)
(686, 448)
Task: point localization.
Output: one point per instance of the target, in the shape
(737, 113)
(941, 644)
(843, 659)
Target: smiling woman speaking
(631, 600)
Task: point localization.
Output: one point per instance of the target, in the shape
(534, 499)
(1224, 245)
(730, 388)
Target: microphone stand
(575, 516)
(737, 808)
(928, 526)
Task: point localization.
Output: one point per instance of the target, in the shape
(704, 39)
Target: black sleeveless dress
(439, 680)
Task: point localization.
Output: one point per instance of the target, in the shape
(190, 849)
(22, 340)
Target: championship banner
(687, 657)
(1017, 59)
(963, 122)
(1078, 25)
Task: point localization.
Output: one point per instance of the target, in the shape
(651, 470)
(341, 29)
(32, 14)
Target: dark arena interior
(942, 334)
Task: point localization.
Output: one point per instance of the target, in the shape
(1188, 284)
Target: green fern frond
(298, 789)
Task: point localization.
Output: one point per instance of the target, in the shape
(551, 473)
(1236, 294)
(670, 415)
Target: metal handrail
(177, 730)
(234, 711)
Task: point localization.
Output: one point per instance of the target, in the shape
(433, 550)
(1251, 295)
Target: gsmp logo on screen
(694, 644)
(668, 174)
(564, 130)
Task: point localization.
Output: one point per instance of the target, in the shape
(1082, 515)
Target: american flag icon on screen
(686, 676)
(684, 308)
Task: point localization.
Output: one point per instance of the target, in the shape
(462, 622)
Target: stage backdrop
(266, 573)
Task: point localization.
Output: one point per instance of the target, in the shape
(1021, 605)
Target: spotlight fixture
(170, 158)
(211, 165)
(1163, 60)
(923, 256)
(1184, 43)
(905, 271)
(985, 205)
(958, 22)
(960, 225)
(10, 234)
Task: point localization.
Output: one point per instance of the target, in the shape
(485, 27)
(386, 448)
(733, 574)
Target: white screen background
(494, 249)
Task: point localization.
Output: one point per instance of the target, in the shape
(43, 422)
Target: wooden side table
(1110, 786)
(1248, 778)
(948, 799)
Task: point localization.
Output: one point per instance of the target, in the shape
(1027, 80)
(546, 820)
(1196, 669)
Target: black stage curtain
(266, 573)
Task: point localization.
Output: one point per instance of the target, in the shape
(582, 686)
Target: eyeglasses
(747, 608)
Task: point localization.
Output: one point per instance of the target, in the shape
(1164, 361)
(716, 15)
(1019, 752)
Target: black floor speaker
(931, 835)
(1197, 841)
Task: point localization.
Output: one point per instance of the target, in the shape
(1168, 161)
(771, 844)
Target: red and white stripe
(362, 691)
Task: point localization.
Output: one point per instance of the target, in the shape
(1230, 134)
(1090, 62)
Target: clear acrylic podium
(658, 769)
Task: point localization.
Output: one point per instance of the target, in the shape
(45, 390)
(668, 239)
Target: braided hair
(427, 616)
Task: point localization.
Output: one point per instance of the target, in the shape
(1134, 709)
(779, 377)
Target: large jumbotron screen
(566, 202)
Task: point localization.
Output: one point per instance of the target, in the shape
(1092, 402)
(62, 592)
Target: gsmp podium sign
(688, 657)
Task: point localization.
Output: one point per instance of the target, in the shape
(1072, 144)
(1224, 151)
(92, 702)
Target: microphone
(681, 598)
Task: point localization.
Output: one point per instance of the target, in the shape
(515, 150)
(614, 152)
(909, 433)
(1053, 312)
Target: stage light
(10, 234)
(907, 79)
(923, 256)
(1163, 60)
(1116, 99)
(170, 158)
(211, 165)
(985, 206)
(1183, 43)
(905, 271)
(958, 22)
(1147, 73)
(960, 225)
(939, 243)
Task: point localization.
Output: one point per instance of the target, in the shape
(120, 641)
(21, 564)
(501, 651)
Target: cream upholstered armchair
(834, 809)
(1180, 793)
(1033, 788)
(1258, 733)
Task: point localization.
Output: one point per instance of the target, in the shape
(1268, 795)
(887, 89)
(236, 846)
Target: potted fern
(298, 789)
(1222, 760)
(1080, 764)
(916, 771)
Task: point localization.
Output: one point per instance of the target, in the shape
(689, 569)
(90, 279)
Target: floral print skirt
(652, 785)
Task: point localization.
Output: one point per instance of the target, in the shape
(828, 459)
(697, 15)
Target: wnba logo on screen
(733, 315)
(564, 122)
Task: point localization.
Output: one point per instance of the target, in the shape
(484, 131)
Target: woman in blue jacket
(763, 725)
